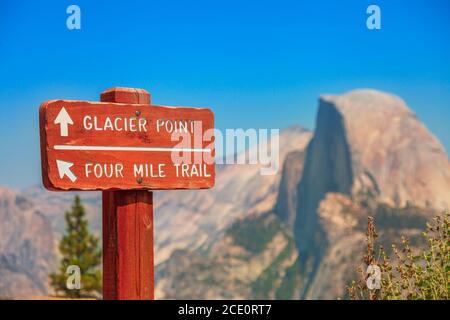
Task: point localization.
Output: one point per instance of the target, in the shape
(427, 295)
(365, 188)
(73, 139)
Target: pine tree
(80, 248)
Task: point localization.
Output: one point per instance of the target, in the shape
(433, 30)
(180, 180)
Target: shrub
(421, 274)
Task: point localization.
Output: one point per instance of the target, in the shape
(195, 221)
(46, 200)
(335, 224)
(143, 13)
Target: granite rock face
(226, 242)
(372, 153)
(27, 247)
(393, 155)
(286, 205)
(369, 155)
(189, 219)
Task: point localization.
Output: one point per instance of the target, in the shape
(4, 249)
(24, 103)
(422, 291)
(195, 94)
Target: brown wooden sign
(118, 146)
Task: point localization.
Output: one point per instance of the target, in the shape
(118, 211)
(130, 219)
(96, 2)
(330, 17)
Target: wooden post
(128, 271)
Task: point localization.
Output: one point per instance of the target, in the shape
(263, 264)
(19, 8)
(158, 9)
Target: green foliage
(254, 234)
(399, 218)
(410, 274)
(266, 281)
(81, 248)
(290, 282)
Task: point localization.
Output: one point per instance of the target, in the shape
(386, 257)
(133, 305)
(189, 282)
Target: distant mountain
(369, 155)
(31, 223)
(255, 258)
(372, 143)
(27, 247)
(221, 243)
(54, 204)
(298, 234)
(189, 219)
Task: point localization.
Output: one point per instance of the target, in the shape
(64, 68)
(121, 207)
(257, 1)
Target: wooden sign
(125, 147)
(118, 146)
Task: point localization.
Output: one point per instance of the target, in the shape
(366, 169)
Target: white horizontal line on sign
(144, 149)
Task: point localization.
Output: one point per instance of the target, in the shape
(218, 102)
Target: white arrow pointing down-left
(64, 170)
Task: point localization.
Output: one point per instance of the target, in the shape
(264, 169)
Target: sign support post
(128, 271)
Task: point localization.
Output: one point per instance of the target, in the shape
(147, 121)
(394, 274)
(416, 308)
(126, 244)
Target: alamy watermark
(73, 281)
(73, 21)
(373, 280)
(373, 21)
(234, 146)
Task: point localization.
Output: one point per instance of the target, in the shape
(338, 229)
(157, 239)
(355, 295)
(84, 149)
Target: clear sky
(258, 64)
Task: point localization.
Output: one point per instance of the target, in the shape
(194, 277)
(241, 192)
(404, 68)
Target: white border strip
(142, 149)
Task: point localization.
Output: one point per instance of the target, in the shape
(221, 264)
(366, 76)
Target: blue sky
(258, 64)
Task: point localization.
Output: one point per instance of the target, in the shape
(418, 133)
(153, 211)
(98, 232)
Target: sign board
(114, 146)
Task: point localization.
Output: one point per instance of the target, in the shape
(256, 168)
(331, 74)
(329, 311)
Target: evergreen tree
(80, 248)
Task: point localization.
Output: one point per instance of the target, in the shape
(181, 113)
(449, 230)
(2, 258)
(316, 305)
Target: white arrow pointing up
(64, 170)
(63, 119)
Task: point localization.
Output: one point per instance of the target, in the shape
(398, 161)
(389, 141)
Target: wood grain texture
(128, 245)
(128, 258)
(126, 95)
(82, 133)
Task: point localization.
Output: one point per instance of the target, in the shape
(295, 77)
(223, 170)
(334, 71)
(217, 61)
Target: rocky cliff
(392, 154)
(189, 219)
(373, 153)
(226, 242)
(254, 258)
(55, 204)
(27, 247)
